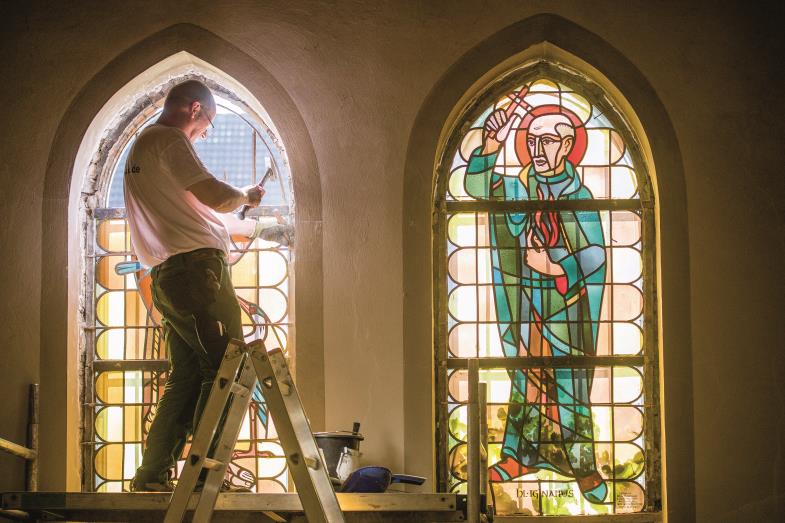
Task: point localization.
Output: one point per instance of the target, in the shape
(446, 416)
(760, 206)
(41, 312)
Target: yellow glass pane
(110, 486)
(456, 183)
(133, 423)
(110, 309)
(458, 423)
(462, 230)
(272, 268)
(109, 424)
(105, 274)
(109, 387)
(111, 236)
(110, 344)
(542, 85)
(458, 461)
(471, 141)
(577, 104)
(244, 272)
(109, 462)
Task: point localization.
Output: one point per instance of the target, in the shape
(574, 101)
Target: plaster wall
(359, 73)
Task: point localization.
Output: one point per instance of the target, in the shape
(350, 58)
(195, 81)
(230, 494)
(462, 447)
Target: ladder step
(240, 389)
(212, 464)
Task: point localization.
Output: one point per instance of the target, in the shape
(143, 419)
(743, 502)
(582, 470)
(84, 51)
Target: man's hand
(497, 128)
(536, 257)
(253, 194)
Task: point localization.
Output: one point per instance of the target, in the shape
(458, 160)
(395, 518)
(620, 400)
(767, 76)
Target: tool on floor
(242, 365)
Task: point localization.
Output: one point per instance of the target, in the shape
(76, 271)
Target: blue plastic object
(376, 479)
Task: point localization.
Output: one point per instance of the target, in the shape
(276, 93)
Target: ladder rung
(212, 464)
(237, 388)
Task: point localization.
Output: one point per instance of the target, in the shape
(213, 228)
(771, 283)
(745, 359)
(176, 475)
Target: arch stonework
(61, 266)
(558, 40)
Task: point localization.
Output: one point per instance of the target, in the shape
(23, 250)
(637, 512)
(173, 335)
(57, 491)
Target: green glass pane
(628, 461)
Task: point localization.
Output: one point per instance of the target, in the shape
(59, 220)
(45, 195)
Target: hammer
(270, 174)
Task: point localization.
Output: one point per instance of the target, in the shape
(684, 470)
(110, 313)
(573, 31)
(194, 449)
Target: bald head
(188, 92)
(550, 138)
(190, 107)
(556, 124)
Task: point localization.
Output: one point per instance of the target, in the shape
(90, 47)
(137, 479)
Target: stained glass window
(544, 275)
(125, 356)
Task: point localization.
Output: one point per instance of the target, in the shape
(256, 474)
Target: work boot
(226, 486)
(156, 485)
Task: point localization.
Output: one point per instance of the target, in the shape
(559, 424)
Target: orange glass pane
(111, 236)
(105, 274)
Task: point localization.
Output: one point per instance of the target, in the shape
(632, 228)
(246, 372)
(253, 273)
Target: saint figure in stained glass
(548, 275)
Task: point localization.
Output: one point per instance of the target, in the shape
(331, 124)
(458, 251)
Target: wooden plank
(284, 502)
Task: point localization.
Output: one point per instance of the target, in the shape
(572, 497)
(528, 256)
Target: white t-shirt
(164, 217)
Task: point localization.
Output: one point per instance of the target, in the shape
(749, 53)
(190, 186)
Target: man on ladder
(175, 214)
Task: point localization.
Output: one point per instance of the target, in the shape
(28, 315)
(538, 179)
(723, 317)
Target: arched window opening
(124, 355)
(544, 271)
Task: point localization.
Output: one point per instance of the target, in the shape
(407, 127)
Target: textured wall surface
(358, 72)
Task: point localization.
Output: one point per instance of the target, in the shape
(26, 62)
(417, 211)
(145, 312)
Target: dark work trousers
(200, 313)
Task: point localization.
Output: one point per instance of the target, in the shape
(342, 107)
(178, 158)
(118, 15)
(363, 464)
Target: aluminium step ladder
(241, 367)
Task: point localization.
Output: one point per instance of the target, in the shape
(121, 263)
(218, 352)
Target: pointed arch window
(544, 271)
(124, 356)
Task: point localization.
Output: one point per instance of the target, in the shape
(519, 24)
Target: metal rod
(130, 365)
(473, 450)
(482, 406)
(502, 206)
(31, 473)
(533, 362)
